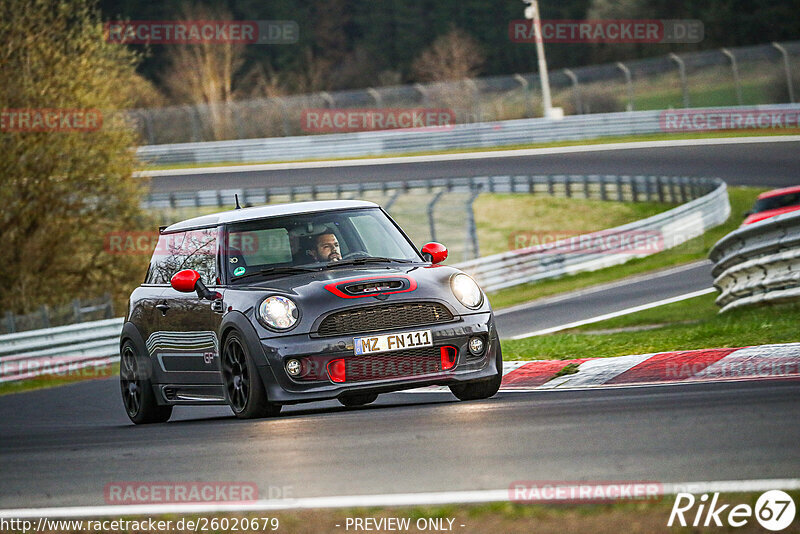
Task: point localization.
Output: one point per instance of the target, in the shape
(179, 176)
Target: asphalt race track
(62, 446)
(759, 164)
(600, 300)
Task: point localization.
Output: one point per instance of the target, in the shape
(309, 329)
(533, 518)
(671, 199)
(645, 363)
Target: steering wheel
(355, 254)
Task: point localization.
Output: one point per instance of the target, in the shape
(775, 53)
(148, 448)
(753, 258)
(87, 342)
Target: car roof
(263, 212)
(778, 192)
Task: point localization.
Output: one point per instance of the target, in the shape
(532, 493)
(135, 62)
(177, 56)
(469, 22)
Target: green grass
(49, 381)
(578, 142)
(526, 218)
(685, 325)
(741, 199)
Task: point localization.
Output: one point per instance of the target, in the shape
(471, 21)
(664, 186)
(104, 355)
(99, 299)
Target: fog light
(337, 371)
(476, 346)
(293, 367)
(448, 356)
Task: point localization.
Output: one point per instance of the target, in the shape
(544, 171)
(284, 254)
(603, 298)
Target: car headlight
(278, 312)
(466, 291)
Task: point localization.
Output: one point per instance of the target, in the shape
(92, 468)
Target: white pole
(532, 12)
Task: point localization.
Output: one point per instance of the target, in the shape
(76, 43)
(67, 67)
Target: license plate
(390, 342)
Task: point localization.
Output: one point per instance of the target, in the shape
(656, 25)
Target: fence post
(735, 71)
(576, 91)
(788, 69)
(628, 83)
(682, 71)
(76, 309)
(375, 96)
(431, 208)
(472, 230)
(525, 88)
(45, 314)
(11, 325)
(392, 200)
(109, 307)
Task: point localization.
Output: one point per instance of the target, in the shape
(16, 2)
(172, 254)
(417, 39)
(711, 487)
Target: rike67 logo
(774, 510)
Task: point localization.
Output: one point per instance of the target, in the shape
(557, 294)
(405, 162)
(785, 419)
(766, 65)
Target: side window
(195, 249)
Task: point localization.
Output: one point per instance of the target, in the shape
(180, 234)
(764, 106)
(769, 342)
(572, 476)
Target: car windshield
(292, 244)
(777, 202)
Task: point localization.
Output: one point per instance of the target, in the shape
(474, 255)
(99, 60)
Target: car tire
(358, 400)
(481, 389)
(244, 389)
(137, 389)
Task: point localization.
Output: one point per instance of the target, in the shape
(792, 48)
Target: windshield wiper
(361, 261)
(279, 270)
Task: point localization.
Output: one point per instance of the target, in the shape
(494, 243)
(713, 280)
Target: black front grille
(400, 364)
(376, 318)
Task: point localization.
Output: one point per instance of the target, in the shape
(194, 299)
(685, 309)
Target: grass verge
(53, 380)
(685, 325)
(741, 199)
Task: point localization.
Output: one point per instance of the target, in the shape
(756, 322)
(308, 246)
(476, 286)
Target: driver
(325, 247)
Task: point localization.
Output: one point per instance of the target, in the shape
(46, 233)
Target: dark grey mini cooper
(274, 305)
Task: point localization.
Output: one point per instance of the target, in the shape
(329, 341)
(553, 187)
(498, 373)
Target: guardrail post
(586, 186)
(620, 196)
(635, 188)
(660, 186)
(787, 68)
(576, 91)
(431, 208)
(628, 84)
(682, 71)
(735, 71)
(550, 187)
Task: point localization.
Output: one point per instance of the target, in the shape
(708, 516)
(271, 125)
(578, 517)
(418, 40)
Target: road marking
(618, 313)
(316, 164)
(361, 501)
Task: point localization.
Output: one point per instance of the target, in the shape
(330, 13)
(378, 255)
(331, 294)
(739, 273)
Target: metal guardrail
(671, 228)
(59, 351)
(358, 144)
(758, 263)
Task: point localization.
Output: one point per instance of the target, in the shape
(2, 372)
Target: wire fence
(439, 209)
(753, 75)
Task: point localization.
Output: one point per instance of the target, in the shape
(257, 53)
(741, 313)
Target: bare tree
(203, 74)
(453, 56)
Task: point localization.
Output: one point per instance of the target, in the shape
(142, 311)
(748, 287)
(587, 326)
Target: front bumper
(281, 388)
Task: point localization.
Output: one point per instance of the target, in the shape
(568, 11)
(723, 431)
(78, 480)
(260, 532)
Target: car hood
(318, 293)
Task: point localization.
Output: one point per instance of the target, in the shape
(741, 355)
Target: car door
(187, 349)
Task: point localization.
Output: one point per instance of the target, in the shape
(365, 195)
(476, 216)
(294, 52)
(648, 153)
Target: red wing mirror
(185, 281)
(434, 252)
